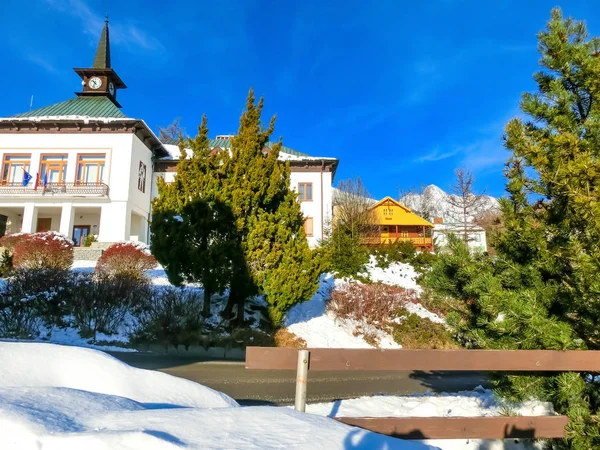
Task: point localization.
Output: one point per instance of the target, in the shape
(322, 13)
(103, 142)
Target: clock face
(111, 88)
(95, 82)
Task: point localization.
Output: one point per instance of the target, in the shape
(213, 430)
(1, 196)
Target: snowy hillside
(434, 203)
(318, 327)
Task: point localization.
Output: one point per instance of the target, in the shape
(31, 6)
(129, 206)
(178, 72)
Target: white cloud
(126, 34)
(437, 155)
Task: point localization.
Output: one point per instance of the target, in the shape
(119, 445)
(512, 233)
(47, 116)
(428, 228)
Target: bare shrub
(31, 298)
(99, 303)
(370, 303)
(171, 316)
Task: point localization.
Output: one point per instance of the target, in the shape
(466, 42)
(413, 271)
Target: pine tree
(542, 290)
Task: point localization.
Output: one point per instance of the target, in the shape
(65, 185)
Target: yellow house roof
(390, 212)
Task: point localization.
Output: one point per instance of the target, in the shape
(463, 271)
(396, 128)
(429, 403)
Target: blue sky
(401, 92)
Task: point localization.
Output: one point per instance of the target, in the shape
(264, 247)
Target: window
(90, 169)
(142, 177)
(305, 192)
(308, 226)
(14, 168)
(53, 169)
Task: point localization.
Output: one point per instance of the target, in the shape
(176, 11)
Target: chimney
(438, 220)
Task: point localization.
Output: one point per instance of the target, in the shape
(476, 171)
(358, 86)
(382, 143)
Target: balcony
(66, 189)
(386, 240)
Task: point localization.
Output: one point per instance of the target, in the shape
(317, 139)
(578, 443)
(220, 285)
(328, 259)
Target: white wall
(320, 211)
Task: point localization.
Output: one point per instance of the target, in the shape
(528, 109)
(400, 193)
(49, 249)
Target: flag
(45, 179)
(37, 181)
(26, 178)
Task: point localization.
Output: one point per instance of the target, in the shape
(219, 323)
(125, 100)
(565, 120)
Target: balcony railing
(383, 240)
(67, 189)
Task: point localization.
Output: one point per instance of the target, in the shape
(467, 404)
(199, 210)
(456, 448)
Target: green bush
(416, 332)
(403, 252)
(346, 254)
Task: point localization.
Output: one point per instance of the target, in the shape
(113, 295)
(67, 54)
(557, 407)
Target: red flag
(37, 181)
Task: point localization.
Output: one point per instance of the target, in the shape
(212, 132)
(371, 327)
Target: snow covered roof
(286, 153)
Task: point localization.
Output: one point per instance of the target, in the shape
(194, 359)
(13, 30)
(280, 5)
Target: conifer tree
(193, 233)
(542, 290)
(256, 185)
(267, 251)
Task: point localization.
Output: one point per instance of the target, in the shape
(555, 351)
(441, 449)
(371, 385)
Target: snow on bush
(44, 250)
(9, 241)
(49, 365)
(126, 258)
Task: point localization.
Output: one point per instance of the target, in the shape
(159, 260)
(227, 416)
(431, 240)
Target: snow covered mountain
(434, 202)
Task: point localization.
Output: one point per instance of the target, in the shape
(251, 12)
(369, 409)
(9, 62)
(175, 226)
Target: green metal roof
(102, 58)
(226, 143)
(80, 106)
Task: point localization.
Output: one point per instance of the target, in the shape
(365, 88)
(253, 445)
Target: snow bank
(397, 274)
(43, 365)
(65, 419)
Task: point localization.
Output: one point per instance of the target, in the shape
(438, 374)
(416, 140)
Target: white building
(93, 170)
(477, 241)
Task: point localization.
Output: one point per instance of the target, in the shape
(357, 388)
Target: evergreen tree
(542, 290)
(193, 233)
(256, 185)
(248, 187)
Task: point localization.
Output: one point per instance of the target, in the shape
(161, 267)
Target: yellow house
(396, 223)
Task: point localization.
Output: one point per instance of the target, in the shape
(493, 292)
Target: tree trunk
(206, 308)
(239, 320)
(228, 311)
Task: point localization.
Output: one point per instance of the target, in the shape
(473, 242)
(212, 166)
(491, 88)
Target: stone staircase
(92, 253)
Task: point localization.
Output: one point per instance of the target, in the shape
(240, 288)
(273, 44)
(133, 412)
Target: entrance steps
(87, 253)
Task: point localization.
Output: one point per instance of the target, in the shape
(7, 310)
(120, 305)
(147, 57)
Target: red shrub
(371, 303)
(9, 241)
(128, 258)
(45, 250)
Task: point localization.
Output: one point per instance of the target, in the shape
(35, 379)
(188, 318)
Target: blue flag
(45, 179)
(26, 178)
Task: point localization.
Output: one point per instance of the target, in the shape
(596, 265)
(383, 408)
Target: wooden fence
(320, 359)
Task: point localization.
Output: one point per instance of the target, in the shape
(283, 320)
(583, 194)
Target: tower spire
(102, 58)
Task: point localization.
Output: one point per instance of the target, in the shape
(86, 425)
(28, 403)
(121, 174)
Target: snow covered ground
(58, 397)
(480, 402)
(320, 328)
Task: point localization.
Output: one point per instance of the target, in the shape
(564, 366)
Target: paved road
(277, 387)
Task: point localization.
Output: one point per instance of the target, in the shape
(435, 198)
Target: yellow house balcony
(387, 240)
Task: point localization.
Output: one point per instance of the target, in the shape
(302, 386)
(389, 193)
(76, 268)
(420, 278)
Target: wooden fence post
(301, 379)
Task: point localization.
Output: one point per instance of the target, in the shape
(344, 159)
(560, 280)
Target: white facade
(477, 241)
(109, 206)
(116, 204)
(316, 202)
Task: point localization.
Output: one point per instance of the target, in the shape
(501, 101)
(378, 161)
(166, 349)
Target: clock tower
(101, 79)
